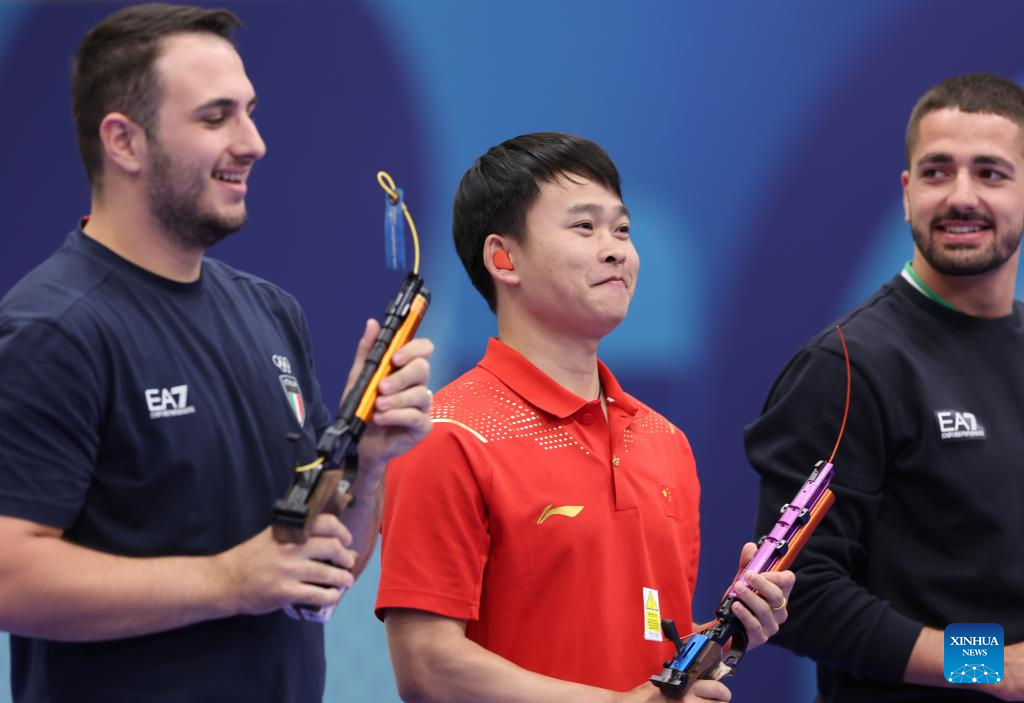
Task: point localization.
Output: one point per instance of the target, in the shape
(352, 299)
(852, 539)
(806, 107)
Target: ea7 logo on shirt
(957, 425)
(168, 402)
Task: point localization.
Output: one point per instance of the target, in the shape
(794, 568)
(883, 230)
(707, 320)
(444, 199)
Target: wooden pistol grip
(707, 663)
(287, 534)
(340, 502)
(801, 537)
(323, 495)
(320, 500)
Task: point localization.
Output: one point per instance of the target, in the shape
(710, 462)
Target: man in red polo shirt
(534, 540)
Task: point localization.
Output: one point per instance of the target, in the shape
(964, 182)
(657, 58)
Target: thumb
(746, 554)
(362, 349)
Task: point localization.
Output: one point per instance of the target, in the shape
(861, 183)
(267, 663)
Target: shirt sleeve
(688, 477)
(51, 418)
(833, 618)
(320, 416)
(435, 538)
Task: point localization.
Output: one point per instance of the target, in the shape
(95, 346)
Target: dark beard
(991, 257)
(176, 210)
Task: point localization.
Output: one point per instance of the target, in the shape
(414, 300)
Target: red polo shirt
(529, 515)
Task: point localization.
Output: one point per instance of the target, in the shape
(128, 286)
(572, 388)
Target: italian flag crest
(294, 394)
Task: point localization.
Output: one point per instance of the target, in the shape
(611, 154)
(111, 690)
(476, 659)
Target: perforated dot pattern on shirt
(493, 413)
(646, 424)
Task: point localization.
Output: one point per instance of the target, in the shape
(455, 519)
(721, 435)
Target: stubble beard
(176, 209)
(964, 260)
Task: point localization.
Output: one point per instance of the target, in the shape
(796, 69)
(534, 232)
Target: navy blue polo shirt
(146, 417)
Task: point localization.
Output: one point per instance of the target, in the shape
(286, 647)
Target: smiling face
(964, 192)
(576, 265)
(204, 142)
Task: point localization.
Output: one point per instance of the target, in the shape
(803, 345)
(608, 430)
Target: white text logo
(168, 402)
(959, 424)
(973, 641)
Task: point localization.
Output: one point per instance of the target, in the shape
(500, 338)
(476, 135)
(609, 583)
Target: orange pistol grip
(417, 310)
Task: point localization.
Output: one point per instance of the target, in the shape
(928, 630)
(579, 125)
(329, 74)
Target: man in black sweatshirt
(928, 524)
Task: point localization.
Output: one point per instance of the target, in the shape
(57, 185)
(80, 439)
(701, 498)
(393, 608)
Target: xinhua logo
(973, 653)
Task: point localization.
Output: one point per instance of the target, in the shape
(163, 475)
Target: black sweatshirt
(928, 524)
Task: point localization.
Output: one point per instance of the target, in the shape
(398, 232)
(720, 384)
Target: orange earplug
(501, 260)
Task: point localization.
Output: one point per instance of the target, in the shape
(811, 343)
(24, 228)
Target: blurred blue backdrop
(760, 145)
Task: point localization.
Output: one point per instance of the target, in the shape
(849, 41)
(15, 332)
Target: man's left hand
(761, 607)
(402, 413)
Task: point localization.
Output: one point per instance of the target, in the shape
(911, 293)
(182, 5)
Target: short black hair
(496, 192)
(973, 92)
(113, 68)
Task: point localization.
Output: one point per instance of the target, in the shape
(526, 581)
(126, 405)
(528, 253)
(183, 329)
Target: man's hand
(712, 691)
(700, 692)
(53, 589)
(260, 575)
(762, 608)
(402, 414)
(1011, 688)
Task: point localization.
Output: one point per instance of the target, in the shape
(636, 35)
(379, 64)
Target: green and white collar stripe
(912, 278)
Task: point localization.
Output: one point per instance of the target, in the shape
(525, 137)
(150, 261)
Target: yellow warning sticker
(652, 615)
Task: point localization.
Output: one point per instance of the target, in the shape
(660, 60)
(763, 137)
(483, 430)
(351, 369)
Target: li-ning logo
(973, 653)
(566, 510)
(958, 425)
(282, 363)
(168, 402)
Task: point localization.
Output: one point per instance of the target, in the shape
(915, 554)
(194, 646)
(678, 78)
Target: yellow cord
(388, 184)
(309, 466)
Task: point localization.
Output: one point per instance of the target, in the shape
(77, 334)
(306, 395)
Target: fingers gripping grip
(326, 483)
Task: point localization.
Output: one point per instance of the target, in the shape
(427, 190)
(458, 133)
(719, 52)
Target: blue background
(760, 145)
(953, 656)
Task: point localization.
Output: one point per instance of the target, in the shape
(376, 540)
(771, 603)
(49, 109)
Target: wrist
(370, 477)
(369, 482)
(924, 667)
(219, 575)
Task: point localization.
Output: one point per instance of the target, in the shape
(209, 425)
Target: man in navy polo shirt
(148, 392)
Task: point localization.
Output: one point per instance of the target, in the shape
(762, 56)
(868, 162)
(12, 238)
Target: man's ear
(500, 260)
(124, 142)
(905, 181)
